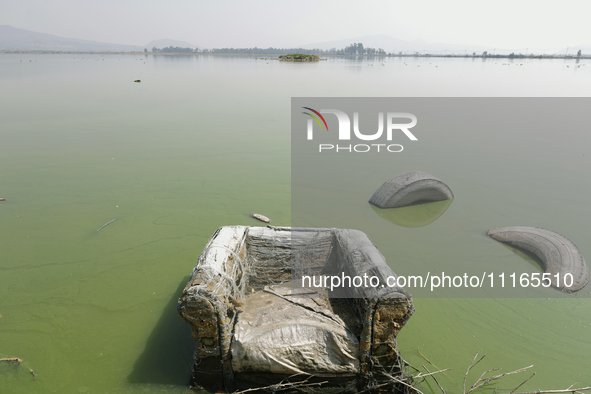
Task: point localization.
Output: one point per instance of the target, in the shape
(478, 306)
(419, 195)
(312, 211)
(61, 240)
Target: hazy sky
(286, 23)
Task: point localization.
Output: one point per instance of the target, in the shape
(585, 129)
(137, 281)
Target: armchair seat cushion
(280, 334)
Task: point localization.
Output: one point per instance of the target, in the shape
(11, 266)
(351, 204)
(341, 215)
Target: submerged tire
(558, 254)
(415, 216)
(409, 188)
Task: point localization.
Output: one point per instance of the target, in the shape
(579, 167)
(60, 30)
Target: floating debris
(11, 360)
(138, 80)
(410, 188)
(261, 218)
(2, 199)
(16, 360)
(275, 330)
(559, 256)
(105, 225)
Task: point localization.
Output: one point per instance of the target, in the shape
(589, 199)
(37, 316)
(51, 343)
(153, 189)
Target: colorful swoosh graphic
(315, 118)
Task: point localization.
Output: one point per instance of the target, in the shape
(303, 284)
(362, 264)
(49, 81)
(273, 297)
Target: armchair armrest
(383, 310)
(208, 303)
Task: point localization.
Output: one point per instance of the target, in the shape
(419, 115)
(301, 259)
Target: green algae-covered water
(200, 143)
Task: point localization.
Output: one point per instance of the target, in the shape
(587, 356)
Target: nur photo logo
(395, 125)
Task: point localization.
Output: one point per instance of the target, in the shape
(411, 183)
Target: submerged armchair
(257, 323)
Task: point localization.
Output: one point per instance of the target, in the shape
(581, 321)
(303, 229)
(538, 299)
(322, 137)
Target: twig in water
(105, 225)
(568, 390)
(422, 355)
(12, 360)
(484, 381)
(472, 364)
(433, 376)
(283, 386)
(16, 360)
(399, 381)
(421, 375)
(522, 383)
(409, 364)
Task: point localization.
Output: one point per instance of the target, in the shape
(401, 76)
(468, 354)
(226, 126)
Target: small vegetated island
(299, 57)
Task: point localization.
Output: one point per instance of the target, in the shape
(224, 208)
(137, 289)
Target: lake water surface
(200, 143)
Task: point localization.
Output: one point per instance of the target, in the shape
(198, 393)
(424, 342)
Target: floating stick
(16, 360)
(105, 225)
(11, 360)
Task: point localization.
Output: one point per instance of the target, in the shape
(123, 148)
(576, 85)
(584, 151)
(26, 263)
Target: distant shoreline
(267, 55)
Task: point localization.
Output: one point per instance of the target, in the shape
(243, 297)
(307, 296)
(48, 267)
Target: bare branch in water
(525, 381)
(433, 376)
(568, 390)
(283, 386)
(472, 364)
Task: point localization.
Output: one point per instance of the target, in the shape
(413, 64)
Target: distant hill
(165, 43)
(12, 38)
(394, 45)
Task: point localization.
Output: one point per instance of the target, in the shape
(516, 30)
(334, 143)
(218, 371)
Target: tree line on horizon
(353, 49)
(172, 49)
